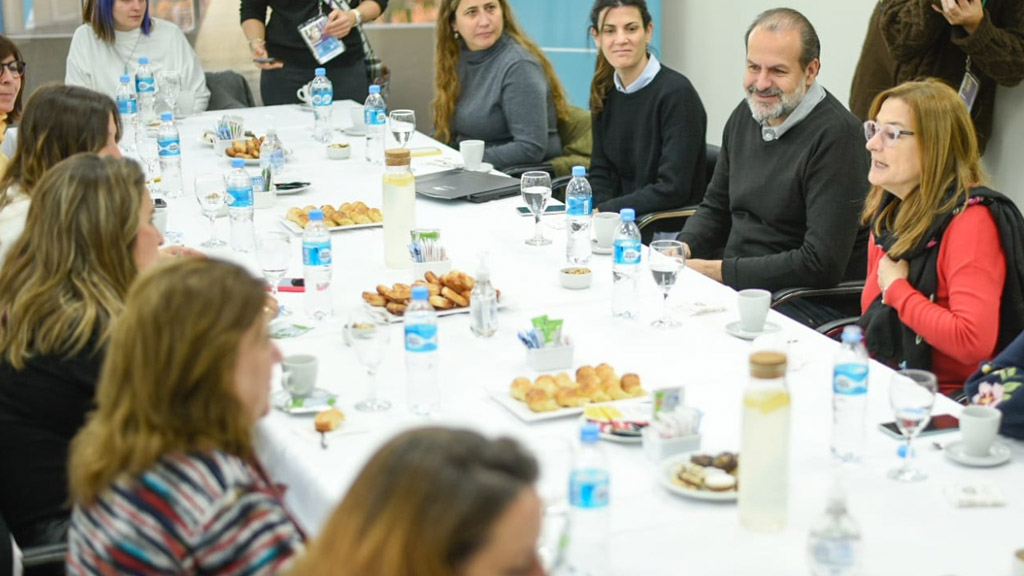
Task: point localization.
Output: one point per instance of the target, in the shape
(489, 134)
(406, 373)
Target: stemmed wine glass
(369, 335)
(403, 125)
(146, 144)
(273, 249)
(536, 188)
(169, 83)
(211, 192)
(911, 394)
(667, 260)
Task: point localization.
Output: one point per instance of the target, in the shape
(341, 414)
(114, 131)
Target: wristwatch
(359, 16)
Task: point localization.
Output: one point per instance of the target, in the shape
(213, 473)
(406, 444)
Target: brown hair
(8, 48)
(422, 505)
(780, 19)
(168, 381)
(603, 70)
(100, 15)
(949, 158)
(446, 61)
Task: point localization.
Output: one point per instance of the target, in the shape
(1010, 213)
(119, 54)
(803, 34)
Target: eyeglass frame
(893, 131)
(12, 67)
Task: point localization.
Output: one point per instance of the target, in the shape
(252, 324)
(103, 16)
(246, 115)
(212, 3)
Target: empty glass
(273, 250)
(369, 335)
(911, 394)
(666, 259)
(211, 191)
(403, 126)
(536, 188)
(169, 84)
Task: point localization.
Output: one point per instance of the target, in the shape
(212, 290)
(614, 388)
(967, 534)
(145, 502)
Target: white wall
(704, 41)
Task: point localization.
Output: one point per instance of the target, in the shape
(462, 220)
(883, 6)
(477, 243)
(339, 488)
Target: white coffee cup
(979, 426)
(160, 219)
(472, 153)
(1018, 562)
(355, 114)
(753, 305)
(303, 93)
(604, 228)
(298, 374)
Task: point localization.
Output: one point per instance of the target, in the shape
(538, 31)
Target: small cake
(726, 461)
(719, 482)
(329, 420)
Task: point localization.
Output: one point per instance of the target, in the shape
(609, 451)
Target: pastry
(563, 379)
(455, 297)
(540, 401)
(690, 476)
(631, 385)
(719, 482)
(374, 299)
(612, 388)
(520, 386)
(584, 371)
(441, 303)
(395, 308)
(701, 459)
(726, 461)
(568, 397)
(329, 420)
(546, 383)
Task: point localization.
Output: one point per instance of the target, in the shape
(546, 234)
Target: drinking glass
(146, 144)
(911, 394)
(273, 250)
(536, 187)
(169, 84)
(403, 125)
(666, 260)
(369, 335)
(211, 192)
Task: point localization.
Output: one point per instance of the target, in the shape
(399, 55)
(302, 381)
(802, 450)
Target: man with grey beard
(783, 205)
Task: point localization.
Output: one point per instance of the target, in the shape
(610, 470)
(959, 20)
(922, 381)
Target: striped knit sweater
(189, 514)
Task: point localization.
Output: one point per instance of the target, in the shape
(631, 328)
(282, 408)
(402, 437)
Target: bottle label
(168, 146)
(835, 554)
(578, 206)
(316, 253)
(421, 337)
(127, 106)
(239, 197)
(588, 488)
(627, 251)
(323, 97)
(259, 184)
(850, 379)
(144, 85)
(375, 116)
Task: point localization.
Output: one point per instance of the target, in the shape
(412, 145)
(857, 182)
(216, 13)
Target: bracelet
(359, 16)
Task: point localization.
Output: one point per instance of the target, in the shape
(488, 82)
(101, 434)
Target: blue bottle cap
(627, 214)
(320, 72)
(143, 60)
(238, 163)
(125, 78)
(374, 89)
(166, 117)
(589, 432)
(579, 170)
(420, 292)
(316, 214)
(852, 334)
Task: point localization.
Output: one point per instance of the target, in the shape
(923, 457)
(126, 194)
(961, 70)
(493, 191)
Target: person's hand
(710, 268)
(890, 270)
(966, 13)
(271, 307)
(686, 250)
(180, 252)
(339, 23)
(258, 49)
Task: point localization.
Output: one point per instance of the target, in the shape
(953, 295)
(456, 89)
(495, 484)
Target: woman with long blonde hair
(89, 232)
(492, 83)
(934, 294)
(434, 502)
(163, 476)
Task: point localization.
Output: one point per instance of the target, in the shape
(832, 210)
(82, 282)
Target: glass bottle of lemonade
(398, 205)
(764, 445)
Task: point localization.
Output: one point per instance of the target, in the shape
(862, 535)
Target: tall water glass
(536, 188)
(273, 250)
(911, 394)
(666, 260)
(369, 335)
(403, 126)
(168, 82)
(211, 193)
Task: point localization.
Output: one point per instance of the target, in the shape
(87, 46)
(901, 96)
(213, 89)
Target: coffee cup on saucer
(355, 114)
(979, 426)
(472, 153)
(298, 376)
(604, 229)
(753, 304)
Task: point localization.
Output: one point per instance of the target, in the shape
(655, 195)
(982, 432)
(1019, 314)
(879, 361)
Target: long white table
(907, 528)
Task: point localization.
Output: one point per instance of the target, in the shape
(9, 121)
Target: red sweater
(963, 323)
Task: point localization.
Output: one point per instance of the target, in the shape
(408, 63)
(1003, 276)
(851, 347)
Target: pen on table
(291, 285)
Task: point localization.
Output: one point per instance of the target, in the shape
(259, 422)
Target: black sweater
(786, 211)
(649, 147)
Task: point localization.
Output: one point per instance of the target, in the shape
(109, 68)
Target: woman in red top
(936, 266)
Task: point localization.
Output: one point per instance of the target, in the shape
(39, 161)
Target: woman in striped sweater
(163, 476)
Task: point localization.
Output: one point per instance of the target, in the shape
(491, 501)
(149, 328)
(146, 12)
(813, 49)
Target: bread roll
(568, 397)
(546, 383)
(329, 420)
(585, 371)
(563, 380)
(631, 385)
(538, 400)
(520, 387)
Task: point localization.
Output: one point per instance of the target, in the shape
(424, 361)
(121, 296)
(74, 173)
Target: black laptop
(461, 184)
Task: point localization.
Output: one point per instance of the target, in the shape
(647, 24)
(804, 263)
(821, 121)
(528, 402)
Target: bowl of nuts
(575, 277)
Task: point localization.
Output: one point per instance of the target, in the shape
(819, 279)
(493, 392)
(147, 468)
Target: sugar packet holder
(674, 427)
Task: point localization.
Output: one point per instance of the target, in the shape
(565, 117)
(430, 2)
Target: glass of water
(536, 188)
(666, 259)
(211, 193)
(169, 84)
(273, 249)
(911, 394)
(369, 335)
(403, 125)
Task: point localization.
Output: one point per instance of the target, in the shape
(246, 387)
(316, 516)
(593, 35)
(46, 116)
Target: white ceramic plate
(256, 161)
(667, 470)
(392, 319)
(296, 229)
(352, 131)
(998, 454)
(523, 412)
(598, 250)
(736, 329)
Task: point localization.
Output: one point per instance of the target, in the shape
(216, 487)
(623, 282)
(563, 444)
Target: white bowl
(338, 151)
(574, 277)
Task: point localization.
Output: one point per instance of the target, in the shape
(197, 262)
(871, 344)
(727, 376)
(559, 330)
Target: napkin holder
(657, 448)
(550, 358)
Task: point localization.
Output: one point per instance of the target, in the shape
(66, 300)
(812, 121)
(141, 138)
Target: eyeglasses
(890, 133)
(15, 67)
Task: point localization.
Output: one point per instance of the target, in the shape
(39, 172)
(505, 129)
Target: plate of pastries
(347, 216)
(248, 149)
(702, 475)
(449, 294)
(558, 395)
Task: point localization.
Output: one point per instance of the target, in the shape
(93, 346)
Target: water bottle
(483, 303)
(589, 481)
(271, 163)
(834, 545)
(849, 396)
(578, 216)
(316, 266)
(128, 108)
(169, 151)
(322, 96)
(240, 207)
(375, 115)
(625, 265)
(421, 353)
(145, 87)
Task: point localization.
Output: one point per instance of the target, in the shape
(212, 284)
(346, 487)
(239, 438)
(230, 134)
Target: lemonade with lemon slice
(764, 450)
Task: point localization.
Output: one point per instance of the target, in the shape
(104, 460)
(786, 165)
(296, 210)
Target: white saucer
(598, 250)
(734, 329)
(998, 454)
(484, 167)
(353, 131)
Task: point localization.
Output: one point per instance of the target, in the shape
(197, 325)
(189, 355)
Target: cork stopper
(397, 157)
(767, 364)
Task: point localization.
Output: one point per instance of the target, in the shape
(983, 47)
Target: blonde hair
(67, 274)
(949, 158)
(422, 506)
(446, 61)
(168, 381)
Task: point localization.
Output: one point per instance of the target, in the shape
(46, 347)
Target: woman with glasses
(936, 263)
(12, 70)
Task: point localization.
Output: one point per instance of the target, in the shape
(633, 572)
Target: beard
(788, 101)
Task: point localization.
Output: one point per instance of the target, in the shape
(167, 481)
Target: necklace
(132, 53)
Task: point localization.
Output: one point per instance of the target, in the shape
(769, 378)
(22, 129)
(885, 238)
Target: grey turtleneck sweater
(502, 88)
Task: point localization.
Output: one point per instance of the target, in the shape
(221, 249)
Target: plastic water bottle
(128, 108)
(834, 546)
(483, 303)
(589, 482)
(849, 396)
(240, 207)
(578, 216)
(316, 266)
(271, 163)
(625, 265)
(145, 87)
(421, 354)
(322, 96)
(169, 151)
(375, 115)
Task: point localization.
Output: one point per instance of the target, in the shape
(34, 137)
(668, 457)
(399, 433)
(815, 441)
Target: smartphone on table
(939, 424)
(554, 209)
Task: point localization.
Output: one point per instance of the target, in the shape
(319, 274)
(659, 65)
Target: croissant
(520, 387)
(540, 401)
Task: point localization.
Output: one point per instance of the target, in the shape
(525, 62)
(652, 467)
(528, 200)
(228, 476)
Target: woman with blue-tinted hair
(116, 33)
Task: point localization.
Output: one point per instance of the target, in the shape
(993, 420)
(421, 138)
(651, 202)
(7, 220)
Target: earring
(456, 34)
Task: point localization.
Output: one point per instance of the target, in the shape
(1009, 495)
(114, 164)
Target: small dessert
(726, 461)
(701, 459)
(719, 482)
(329, 420)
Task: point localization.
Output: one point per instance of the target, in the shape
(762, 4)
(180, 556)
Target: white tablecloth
(907, 528)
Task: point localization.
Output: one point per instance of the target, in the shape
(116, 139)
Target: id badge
(969, 89)
(323, 46)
